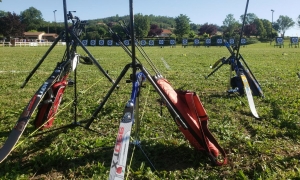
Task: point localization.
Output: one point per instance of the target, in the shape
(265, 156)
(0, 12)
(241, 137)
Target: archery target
(243, 41)
(294, 39)
(184, 42)
(279, 40)
(117, 44)
(84, 42)
(219, 41)
(208, 41)
(151, 42)
(161, 42)
(231, 41)
(101, 42)
(196, 41)
(172, 41)
(126, 42)
(93, 42)
(109, 42)
(143, 42)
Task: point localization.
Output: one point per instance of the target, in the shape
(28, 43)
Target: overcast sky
(199, 11)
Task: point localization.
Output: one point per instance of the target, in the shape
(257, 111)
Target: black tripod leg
(42, 59)
(91, 56)
(217, 68)
(248, 68)
(107, 96)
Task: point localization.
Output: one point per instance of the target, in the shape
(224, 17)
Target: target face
(231, 41)
(294, 40)
(126, 42)
(84, 42)
(143, 42)
(151, 42)
(184, 41)
(160, 42)
(93, 42)
(243, 41)
(109, 42)
(196, 41)
(219, 41)
(101, 42)
(279, 39)
(172, 41)
(208, 41)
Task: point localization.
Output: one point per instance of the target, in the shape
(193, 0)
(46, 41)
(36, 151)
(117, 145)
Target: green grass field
(268, 148)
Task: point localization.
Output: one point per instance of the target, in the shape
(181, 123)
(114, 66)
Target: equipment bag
(190, 109)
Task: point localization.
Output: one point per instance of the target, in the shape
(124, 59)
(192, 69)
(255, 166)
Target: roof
(167, 31)
(33, 33)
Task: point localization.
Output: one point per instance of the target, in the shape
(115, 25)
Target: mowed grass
(267, 148)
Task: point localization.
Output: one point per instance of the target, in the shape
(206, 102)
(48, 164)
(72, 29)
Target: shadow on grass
(34, 161)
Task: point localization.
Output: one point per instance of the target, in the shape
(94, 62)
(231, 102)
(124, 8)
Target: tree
(230, 25)
(298, 21)
(141, 25)
(3, 13)
(250, 30)
(194, 27)
(268, 27)
(208, 29)
(32, 18)
(11, 25)
(192, 34)
(250, 17)
(284, 23)
(182, 25)
(154, 30)
(261, 31)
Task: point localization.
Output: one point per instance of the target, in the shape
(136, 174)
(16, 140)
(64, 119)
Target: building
(38, 37)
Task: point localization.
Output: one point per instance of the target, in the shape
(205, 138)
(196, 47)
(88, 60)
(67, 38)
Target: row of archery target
(159, 42)
(293, 40)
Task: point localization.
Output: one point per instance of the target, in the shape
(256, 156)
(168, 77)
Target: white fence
(30, 44)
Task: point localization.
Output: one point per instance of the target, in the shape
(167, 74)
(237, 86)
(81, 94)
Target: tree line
(30, 20)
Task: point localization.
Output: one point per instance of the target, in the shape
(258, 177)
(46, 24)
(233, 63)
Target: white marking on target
(151, 42)
(143, 42)
(279, 40)
(161, 42)
(231, 41)
(172, 41)
(294, 40)
(208, 41)
(93, 42)
(109, 42)
(101, 42)
(84, 42)
(184, 41)
(243, 41)
(126, 42)
(219, 41)
(196, 41)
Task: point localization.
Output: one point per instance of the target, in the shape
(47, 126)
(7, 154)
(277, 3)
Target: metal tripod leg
(42, 59)
(107, 96)
(91, 56)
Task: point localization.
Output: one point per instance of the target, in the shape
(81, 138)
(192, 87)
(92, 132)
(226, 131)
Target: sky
(199, 11)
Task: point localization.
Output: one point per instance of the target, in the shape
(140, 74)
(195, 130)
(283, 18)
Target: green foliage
(32, 18)
(182, 25)
(230, 26)
(284, 23)
(250, 17)
(266, 148)
(261, 31)
(142, 25)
